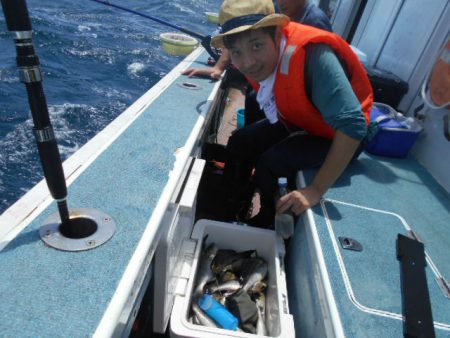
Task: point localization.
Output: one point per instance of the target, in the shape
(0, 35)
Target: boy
(316, 97)
(298, 10)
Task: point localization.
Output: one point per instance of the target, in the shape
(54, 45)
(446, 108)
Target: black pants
(252, 111)
(274, 152)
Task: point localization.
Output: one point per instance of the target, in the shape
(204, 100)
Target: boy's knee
(268, 161)
(269, 168)
(240, 142)
(265, 175)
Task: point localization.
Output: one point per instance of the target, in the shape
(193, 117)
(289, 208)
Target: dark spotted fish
(226, 276)
(229, 260)
(258, 288)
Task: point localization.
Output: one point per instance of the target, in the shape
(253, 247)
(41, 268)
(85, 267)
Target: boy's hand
(299, 200)
(212, 73)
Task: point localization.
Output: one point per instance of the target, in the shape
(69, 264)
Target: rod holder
(86, 229)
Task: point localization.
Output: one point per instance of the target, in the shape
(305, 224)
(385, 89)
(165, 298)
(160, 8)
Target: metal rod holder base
(86, 229)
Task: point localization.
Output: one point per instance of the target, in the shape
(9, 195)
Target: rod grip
(16, 15)
(53, 171)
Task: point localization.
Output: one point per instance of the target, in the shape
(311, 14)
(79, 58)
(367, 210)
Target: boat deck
(126, 171)
(45, 292)
(373, 201)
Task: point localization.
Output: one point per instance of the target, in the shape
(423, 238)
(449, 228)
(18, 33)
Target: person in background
(316, 97)
(298, 10)
(302, 11)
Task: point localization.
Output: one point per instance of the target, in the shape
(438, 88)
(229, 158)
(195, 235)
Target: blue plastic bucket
(240, 117)
(396, 133)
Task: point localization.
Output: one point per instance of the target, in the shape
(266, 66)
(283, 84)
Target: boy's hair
(229, 40)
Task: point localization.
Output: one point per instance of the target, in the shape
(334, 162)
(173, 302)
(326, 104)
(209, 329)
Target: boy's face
(255, 54)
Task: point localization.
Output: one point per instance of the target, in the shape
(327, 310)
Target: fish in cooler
(237, 281)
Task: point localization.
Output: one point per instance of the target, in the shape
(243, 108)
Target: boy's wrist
(318, 189)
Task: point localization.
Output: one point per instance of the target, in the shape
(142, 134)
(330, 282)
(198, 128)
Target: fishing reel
(214, 52)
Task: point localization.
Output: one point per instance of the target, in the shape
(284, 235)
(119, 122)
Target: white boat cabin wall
(404, 38)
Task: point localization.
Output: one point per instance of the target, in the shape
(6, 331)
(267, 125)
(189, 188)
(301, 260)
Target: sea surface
(96, 61)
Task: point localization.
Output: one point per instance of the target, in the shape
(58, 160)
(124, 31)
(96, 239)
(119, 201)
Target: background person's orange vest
(440, 79)
(291, 97)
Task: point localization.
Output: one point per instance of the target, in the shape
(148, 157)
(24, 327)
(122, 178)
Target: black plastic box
(387, 87)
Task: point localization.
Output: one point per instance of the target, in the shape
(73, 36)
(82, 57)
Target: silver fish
(261, 308)
(253, 270)
(202, 317)
(230, 286)
(204, 273)
(193, 320)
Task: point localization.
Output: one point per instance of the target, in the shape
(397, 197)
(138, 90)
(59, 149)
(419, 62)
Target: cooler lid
(373, 274)
(175, 247)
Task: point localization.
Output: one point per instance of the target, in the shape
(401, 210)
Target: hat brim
(269, 20)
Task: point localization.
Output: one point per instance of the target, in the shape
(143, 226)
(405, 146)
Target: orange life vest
(440, 79)
(293, 103)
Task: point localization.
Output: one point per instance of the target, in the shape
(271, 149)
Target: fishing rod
(83, 223)
(205, 39)
(19, 24)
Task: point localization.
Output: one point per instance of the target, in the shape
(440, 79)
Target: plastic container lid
(282, 180)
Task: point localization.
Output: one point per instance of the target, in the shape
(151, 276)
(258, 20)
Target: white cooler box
(279, 322)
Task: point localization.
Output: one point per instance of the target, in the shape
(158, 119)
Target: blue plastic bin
(396, 133)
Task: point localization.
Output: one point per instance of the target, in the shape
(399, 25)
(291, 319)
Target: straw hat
(240, 15)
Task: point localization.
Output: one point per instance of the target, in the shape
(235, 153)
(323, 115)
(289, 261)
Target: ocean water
(96, 61)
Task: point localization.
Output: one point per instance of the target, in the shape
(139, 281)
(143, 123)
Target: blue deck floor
(49, 293)
(372, 202)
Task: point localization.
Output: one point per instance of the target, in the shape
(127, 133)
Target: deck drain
(189, 85)
(86, 229)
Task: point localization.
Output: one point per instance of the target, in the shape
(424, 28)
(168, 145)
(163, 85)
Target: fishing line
(205, 39)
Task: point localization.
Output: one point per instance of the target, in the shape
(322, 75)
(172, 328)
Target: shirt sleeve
(331, 92)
